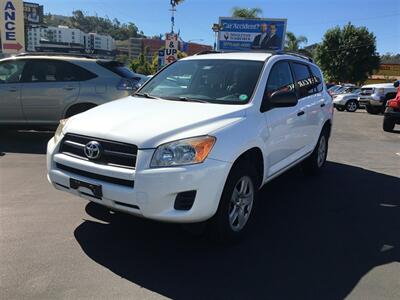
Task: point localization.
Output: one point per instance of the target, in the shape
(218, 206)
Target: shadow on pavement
(314, 238)
(24, 141)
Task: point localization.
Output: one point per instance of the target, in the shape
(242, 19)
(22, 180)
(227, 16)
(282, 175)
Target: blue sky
(194, 18)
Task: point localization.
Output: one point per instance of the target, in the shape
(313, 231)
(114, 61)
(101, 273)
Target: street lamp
(216, 28)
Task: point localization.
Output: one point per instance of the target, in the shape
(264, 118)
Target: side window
(11, 71)
(304, 80)
(55, 71)
(40, 71)
(280, 79)
(72, 72)
(317, 77)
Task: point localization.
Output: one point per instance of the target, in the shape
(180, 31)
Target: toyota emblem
(92, 150)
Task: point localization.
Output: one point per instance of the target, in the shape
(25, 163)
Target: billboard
(240, 34)
(33, 13)
(12, 26)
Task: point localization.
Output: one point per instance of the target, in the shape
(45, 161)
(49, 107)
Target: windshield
(213, 80)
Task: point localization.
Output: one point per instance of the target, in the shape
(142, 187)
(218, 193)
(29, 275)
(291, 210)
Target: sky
(194, 18)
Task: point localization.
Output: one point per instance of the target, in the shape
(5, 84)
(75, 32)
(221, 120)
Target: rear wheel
(352, 105)
(388, 125)
(340, 108)
(237, 202)
(313, 164)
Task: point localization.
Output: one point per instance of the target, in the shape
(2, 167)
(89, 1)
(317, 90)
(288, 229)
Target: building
(135, 46)
(65, 39)
(385, 73)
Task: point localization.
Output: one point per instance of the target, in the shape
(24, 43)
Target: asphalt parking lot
(333, 236)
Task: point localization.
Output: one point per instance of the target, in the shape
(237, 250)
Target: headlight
(183, 152)
(58, 134)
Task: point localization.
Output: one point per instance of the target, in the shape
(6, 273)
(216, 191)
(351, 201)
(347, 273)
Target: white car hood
(148, 123)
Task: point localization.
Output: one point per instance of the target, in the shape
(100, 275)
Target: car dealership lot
(328, 237)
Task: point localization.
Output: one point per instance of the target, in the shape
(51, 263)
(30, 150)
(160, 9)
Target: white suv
(198, 140)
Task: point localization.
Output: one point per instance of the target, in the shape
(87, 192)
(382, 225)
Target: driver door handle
(300, 113)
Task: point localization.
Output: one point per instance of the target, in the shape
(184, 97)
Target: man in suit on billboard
(260, 39)
(267, 41)
(274, 41)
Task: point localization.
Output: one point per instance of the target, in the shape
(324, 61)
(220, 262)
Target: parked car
(391, 116)
(375, 96)
(200, 151)
(42, 89)
(347, 101)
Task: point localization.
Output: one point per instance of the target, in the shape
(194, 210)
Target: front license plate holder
(96, 189)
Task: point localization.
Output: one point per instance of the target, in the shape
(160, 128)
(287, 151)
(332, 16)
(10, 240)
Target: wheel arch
(255, 157)
(75, 106)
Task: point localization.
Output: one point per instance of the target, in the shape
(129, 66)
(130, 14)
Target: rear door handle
(300, 113)
(322, 104)
(69, 88)
(13, 89)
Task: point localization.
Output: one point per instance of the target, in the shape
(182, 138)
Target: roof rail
(273, 52)
(297, 54)
(82, 55)
(207, 52)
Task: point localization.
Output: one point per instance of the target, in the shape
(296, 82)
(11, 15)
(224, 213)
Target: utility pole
(173, 10)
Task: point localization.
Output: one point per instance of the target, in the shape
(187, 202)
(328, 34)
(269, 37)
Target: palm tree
(293, 42)
(249, 13)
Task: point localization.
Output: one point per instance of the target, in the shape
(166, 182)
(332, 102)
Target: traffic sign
(12, 26)
(171, 48)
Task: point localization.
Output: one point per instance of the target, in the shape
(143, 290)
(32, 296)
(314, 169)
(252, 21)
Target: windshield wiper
(188, 99)
(145, 95)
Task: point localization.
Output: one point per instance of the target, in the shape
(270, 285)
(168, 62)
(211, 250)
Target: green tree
(249, 13)
(348, 54)
(292, 42)
(141, 64)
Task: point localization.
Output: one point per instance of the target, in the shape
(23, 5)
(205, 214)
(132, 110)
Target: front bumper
(154, 192)
(391, 114)
(370, 101)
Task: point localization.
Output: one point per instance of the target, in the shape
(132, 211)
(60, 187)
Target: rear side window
(317, 76)
(117, 68)
(304, 80)
(55, 71)
(280, 79)
(11, 71)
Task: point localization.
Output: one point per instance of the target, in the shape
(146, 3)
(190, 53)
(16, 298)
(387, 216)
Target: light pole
(216, 28)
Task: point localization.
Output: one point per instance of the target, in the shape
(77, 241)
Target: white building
(62, 38)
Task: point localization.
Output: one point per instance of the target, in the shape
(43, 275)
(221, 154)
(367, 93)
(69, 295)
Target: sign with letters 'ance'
(12, 26)
(240, 34)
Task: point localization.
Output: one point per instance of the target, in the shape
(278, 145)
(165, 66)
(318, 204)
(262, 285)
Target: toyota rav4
(198, 140)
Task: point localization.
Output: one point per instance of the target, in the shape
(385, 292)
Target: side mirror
(396, 83)
(279, 99)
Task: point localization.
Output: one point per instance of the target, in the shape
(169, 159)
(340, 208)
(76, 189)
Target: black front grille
(125, 182)
(112, 153)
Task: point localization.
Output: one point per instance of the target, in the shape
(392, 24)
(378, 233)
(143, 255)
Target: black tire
(373, 110)
(351, 105)
(388, 125)
(340, 108)
(220, 227)
(77, 109)
(316, 161)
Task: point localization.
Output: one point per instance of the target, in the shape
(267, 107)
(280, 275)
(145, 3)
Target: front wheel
(388, 125)
(351, 105)
(236, 205)
(314, 163)
(373, 110)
